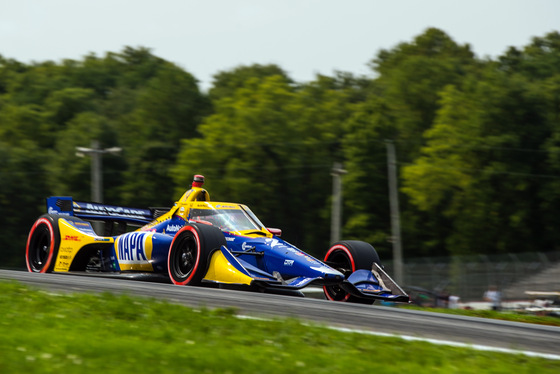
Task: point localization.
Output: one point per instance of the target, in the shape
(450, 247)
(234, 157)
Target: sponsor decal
(288, 262)
(311, 259)
(280, 245)
(102, 239)
(72, 238)
(80, 224)
(132, 248)
(246, 246)
(272, 242)
(51, 210)
(173, 228)
(226, 207)
(114, 210)
(83, 227)
(230, 239)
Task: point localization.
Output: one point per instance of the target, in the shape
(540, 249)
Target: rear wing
(65, 205)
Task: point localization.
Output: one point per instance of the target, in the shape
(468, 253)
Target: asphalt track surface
(379, 319)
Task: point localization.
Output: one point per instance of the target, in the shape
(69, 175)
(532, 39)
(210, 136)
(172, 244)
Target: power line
(288, 167)
(379, 141)
(486, 171)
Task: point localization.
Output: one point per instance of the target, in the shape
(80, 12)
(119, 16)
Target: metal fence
(470, 276)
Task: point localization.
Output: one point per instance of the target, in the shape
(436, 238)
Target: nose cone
(328, 272)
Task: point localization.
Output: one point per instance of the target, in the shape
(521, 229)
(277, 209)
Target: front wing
(225, 268)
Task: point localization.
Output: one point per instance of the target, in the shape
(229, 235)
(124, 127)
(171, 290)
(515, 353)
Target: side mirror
(275, 232)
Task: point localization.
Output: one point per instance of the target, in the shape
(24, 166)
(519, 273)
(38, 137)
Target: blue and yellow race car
(199, 242)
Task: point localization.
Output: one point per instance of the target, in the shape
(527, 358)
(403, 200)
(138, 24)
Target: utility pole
(96, 167)
(395, 215)
(336, 211)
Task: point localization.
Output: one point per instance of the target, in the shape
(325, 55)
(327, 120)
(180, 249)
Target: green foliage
(478, 143)
(131, 99)
(52, 333)
(21, 123)
(413, 74)
(244, 146)
(272, 146)
(226, 83)
(167, 110)
(365, 185)
(66, 172)
(23, 184)
(483, 163)
(539, 60)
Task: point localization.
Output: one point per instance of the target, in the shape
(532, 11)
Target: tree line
(477, 140)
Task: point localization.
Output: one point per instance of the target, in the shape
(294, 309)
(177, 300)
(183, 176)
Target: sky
(303, 37)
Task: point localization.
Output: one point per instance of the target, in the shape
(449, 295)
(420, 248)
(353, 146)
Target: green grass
(505, 315)
(42, 332)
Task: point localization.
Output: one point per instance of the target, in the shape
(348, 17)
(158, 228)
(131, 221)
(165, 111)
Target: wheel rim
(342, 263)
(185, 258)
(40, 247)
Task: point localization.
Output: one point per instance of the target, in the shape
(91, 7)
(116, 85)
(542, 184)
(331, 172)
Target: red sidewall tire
(341, 247)
(42, 245)
(328, 289)
(190, 253)
(352, 255)
(182, 235)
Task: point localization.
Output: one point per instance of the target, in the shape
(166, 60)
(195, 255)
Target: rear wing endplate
(65, 205)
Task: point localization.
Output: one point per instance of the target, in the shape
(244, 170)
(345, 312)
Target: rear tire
(347, 257)
(190, 252)
(42, 244)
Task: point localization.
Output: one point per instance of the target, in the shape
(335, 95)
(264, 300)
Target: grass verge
(85, 333)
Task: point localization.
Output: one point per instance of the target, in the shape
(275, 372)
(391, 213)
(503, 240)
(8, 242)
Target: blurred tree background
(478, 143)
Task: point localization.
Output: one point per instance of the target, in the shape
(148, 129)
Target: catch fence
(470, 276)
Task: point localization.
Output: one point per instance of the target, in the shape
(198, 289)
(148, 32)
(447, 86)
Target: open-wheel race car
(199, 242)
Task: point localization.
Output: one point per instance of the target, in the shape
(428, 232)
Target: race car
(202, 243)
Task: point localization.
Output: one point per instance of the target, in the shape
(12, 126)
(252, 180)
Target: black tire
(190, 252)
(347, 257)
(42, 244)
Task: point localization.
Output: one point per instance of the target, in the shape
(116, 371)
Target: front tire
(190, 252)
(347, 257)
(42, 244)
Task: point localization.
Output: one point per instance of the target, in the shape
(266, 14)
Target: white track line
(477, 347)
